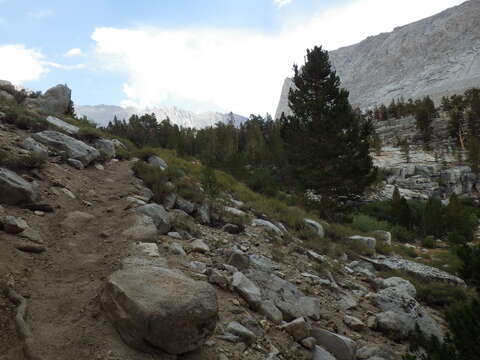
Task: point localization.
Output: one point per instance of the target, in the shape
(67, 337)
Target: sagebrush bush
(89, 133)
(438, 294)
(21, 162)
(368, 223)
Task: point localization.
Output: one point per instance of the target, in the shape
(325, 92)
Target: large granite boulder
(159, 215)
(35, 147)
(402, 314)
(63, 125)
(158, 310)
(14, 190)
(425, 272)
(55, 100)
(106, 148)
(316, 226)
(156, 161)
(342, 347)
(72, 148)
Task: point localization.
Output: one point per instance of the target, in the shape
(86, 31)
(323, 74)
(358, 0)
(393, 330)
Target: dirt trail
(63, 283)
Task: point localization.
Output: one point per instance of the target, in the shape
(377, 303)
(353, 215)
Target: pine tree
(327, 143)
(424, 115)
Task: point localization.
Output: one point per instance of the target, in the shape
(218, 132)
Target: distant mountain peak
(102, 114)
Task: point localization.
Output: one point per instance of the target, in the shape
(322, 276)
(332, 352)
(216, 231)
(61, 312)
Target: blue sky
(197, 54)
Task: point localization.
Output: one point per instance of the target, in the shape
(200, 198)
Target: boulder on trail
(342, 347)
(158, 310)
(76, 220)
(73, 148)
(14, 190)
(159, 216)
(106, 148)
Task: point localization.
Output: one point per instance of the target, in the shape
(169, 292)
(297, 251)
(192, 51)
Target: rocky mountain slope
(102, 114)
(94, 265)
(436, 56)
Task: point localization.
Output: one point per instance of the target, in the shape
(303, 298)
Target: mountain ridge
(436, 56)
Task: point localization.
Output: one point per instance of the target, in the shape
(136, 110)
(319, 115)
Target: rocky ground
(108, 274)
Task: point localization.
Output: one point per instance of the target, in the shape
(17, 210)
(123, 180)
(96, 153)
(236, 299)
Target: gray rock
(198, 267)
(218, 278)
(369, 242)
(32, 235)
(402, 313)
(14, 190)
(402, 286)
(320, 353)
(371, 351)
(169, 201)
(273, 313)
(157, 162)
(203, 214)
(106, 148)
(241, 331)
(159, 216)
(200, 246)
(14, 225)
(176, 248)
(263, 263)
(234, 211)
(247, 289)
(7, 96)
(55, 100)
(185, 205)
(239, 260)
(316, 257)
(7, 86)
(142, 229)
(77, 164)
(73, 148)
(354, 323)
(298, 328)
(267, 225)
(425, 272)
(175, 235)
(68, 128)
(315, 225)
(35, 147)
(347, 302)
(156, 309)
(342, 347)
(146, 193)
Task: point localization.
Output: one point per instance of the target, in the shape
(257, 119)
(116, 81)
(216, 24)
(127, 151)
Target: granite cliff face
(436, 56)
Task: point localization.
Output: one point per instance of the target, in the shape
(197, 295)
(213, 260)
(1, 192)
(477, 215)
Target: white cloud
(64, 67)
(281, 3)
(40, 14)
(19, 64)
(242, 70)
(74, 52)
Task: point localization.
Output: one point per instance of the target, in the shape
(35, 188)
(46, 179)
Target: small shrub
(145, 153)
(89, 133)
(367, 223)
(189, 190)
(383, 248)
(428, 242)
(401, 234)
(123, 154)
(438, 294)
(210, 182)
(23, 162)
(185, 223)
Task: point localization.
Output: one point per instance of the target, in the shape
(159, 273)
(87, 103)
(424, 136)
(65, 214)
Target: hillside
(115, 253)
(436, 56)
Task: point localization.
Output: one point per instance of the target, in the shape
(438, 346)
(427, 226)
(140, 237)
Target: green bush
(439, 294)
(210, 182)
(145, 153)
(401, 234)
(21, 162)
(367, 223)
(189, 189)
(89, 133)
(428, 242)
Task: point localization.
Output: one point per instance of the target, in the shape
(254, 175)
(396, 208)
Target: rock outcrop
(436, 56)
(73, 148)
(56, 100)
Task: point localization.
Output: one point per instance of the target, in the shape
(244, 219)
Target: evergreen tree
(432, 220)
(424, 115)
(328, 147)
